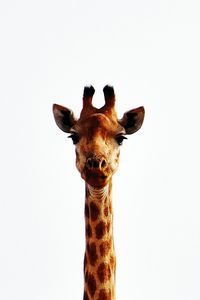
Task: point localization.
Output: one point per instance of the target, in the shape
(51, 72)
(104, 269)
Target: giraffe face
(97, 139)
(97, 135)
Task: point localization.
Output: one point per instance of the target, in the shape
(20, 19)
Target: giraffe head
(98, 135)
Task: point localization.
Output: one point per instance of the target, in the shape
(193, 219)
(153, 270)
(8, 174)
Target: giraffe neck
(99, 262)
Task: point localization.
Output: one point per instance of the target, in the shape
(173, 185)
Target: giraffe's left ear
(64, 117)
(132, 120)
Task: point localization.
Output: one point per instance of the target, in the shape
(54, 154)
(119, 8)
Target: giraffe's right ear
(64, 117)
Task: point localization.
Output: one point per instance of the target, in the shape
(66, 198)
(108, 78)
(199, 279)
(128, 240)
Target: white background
(150, 52)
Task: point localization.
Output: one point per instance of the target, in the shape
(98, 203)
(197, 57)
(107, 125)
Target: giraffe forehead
(97, 120)
(98, 124)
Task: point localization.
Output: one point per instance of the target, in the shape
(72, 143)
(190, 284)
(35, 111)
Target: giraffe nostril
(103, 163)
(89, 163)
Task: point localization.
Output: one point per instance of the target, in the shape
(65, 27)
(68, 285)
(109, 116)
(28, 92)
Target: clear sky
(150, 52)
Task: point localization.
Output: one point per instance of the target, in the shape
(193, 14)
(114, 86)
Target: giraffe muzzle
(96, 163)
(96, 171)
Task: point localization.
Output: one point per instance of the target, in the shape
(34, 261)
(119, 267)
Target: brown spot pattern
(92, 253)
(110, 207)
(88, 230)
(86, 210)
(106, 211)
(92, 286)
(104, 272)
(100, 230)
(105, 248)
(104, 295)
(94, 210)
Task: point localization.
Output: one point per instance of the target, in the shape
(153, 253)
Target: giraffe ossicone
(97, 136)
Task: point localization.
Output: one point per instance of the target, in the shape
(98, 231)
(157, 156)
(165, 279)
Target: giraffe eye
(119, 139)
(75, 138)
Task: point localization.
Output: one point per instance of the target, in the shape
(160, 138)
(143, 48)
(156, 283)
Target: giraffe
(97, 136)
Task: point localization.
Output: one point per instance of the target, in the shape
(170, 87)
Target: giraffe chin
(96, 179)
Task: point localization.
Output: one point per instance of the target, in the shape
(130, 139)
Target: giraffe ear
(64, 117)
(132, 120)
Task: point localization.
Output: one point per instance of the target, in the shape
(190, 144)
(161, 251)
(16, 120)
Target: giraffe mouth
(95, 178)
